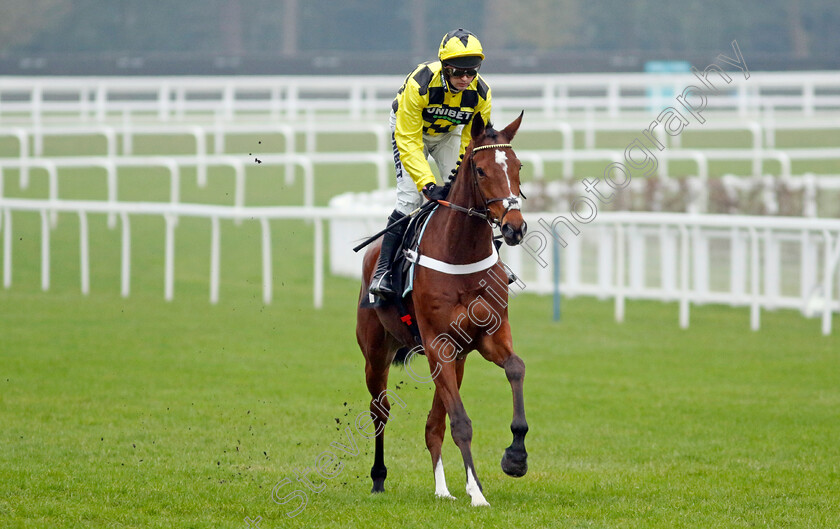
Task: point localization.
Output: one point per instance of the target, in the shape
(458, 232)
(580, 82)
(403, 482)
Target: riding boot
(381, 284)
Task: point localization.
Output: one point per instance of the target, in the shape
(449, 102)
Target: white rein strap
(454, 269)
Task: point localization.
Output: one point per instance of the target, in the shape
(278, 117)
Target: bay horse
(457, 310)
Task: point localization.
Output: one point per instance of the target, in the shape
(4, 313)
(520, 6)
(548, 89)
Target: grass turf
(141, 413)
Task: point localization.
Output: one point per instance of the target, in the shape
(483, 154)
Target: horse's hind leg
(380, 407)
(372, 340)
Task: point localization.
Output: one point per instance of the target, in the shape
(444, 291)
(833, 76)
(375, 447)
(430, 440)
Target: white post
(613, 98)
(128, 139)
(831, 262)
(319, 264)
(605, 261)
(7, 248)
(772, 260)
(807, 268)
(45, 251)
(100, 103)
(110, 141)
(163, 102)
(755, 306)
(737, 265)
(292, 104)
(308, 182)
(125, 269)
(37, 102)
(637, 257)
(808, 99)
(684, 277)
(169, 259)
(229, 101)
(568, 146)
(619, 273)
(268, 286)
(355, 101)
(701, 263)
(52, 178)
(239, 192)
(111, 183)
(668, 262)
(23, 137)
(289, 137)
(84, 253)
(214, 260)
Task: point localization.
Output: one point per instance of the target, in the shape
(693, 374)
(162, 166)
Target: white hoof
(445, 496)
(480, 502)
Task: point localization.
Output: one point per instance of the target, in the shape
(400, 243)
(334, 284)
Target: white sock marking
(475, 492)
(441, 491)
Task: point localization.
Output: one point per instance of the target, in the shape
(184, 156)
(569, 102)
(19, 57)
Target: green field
(141, 413)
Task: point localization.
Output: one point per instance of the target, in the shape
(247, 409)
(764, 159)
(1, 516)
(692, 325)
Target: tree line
(794, 28)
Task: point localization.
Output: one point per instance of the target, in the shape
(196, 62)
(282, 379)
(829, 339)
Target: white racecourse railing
(292, 96)
(382, 164)
(762, 133)
(614, 255)
(170, 213)
(621, 246)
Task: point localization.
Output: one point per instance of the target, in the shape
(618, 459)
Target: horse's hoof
(378, 486)
(515, 464)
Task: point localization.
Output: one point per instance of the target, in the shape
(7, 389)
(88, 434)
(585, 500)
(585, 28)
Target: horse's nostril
(524, 228)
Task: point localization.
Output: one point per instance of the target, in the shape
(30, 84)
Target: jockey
(431, 116)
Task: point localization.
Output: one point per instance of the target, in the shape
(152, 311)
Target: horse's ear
(477, 126)
(510, 130)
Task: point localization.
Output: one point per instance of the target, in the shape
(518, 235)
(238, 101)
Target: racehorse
(456, 310)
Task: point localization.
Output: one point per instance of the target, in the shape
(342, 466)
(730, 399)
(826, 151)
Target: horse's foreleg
(446, 385)
(498, 349)
(515, 460)
(435, 429)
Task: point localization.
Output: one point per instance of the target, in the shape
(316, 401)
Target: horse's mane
(489, 132)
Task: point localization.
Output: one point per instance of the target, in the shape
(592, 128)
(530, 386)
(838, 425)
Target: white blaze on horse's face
(512, 201)
(501, 159)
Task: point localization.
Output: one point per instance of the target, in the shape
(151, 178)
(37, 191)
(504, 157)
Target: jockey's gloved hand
(435, 192)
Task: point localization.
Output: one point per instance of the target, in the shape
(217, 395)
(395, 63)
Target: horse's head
(495, 170)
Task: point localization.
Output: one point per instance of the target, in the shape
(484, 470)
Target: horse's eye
(480, 171)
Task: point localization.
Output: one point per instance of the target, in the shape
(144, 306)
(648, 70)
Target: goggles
(461, 72)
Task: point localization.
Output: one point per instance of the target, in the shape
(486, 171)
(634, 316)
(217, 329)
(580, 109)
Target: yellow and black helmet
(461, 49)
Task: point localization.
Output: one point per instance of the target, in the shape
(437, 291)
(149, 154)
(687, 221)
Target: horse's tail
(402, 354)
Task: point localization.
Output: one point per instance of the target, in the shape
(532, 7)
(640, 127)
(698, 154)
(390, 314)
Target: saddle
(403, 267)
(402, 273)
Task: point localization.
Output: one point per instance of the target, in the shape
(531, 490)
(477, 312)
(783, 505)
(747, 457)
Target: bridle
(509, 202)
